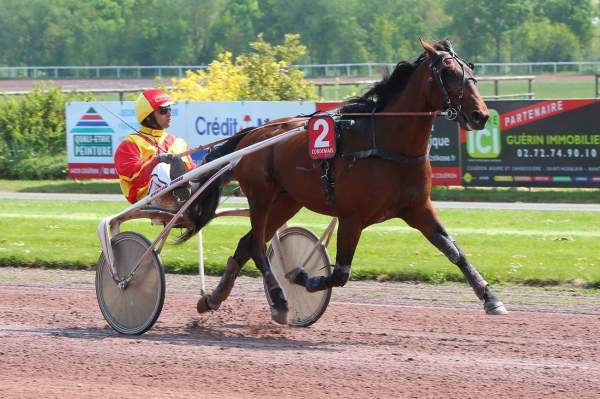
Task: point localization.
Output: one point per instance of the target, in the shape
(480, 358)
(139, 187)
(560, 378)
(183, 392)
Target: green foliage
(481, 25)
(38, 167)
(32, 132)
(235, 27)
(575, 14)
(270, 76)
(263, 74)
(191, 32)
(542, 40)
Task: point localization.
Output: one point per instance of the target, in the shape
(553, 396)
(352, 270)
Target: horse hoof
(279, 316)
(204, 306)
(495, 308)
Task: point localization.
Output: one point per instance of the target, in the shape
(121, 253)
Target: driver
(144, 160)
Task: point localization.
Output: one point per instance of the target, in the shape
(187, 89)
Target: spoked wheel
(305, 307)
(134, 309)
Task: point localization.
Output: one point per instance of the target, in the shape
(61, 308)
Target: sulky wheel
(305, 307)
(134, 309)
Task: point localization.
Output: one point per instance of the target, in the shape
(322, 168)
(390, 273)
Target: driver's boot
(182, 193)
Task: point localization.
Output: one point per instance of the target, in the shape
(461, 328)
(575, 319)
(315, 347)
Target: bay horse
(381, 172)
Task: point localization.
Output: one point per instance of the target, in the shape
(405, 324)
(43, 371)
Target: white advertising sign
(95, 129)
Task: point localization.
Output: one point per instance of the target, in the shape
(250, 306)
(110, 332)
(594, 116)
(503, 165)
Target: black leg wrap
(340, 276)
(446, 246)
(278, 299)
(444, 243)
(318, 283)
(473, 277)
(312, 284)
(488, 295)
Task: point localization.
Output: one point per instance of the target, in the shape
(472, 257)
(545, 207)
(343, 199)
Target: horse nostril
(479, 118)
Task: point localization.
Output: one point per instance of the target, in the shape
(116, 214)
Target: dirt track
(376, 340)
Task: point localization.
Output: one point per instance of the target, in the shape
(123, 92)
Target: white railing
(96, 72)
(319, 84)
(310, 70)
(345, 81)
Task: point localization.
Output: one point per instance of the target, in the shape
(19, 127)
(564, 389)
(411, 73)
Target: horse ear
(428, 47)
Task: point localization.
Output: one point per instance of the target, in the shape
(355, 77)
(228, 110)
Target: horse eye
(471, 65)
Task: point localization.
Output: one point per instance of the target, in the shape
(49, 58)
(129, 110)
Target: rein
(209, 146)
(451, 113)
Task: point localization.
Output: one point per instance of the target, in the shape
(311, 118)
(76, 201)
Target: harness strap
(328, 180)
(375, 151)
(383, 154)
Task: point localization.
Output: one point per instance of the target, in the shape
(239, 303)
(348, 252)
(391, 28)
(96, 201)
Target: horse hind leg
(235, 263)
(252, 245)
(282, 209)
(267, 214)
(427, 222)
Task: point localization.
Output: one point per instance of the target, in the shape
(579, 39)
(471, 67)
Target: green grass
(501, 194)
(61, 186)
(93, 186)
(531, 247)
(542, 89)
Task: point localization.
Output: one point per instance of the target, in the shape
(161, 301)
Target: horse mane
(386, 90)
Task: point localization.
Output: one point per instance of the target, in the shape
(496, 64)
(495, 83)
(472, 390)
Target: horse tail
(202, 210)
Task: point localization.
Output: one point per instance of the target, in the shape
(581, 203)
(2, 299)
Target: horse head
(452, 87)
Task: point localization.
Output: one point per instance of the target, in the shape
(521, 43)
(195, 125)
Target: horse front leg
(348, 236)
(426, 221)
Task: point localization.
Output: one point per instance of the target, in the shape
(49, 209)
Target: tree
(154, 33)
(575, 14)
(200, 22)
(393, 35)
(331, 28)
(235, 28)
(477, 22)
(32, 34)
(263, 74)
(542, 40)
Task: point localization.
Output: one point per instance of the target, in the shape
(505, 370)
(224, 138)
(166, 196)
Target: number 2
(322, 127)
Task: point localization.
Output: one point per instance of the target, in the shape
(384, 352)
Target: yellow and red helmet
(149, 101)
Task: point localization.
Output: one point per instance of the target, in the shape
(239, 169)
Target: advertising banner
(95, 129)
(443, 149)
(443, 153)
(549, 143)
(207, 122)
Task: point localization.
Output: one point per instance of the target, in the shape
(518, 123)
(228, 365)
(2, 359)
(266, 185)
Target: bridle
(437, 65)
(450, 110)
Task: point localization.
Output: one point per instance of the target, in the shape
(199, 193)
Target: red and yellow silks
(136, 157)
